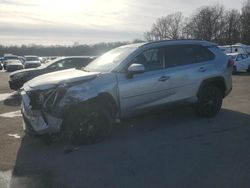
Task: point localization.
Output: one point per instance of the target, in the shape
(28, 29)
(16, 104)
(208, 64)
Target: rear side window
(177, 55)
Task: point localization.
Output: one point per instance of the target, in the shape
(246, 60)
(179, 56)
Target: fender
(218, 81)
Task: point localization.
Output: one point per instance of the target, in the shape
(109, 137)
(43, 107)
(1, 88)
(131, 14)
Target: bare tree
(208, 23)
(169, 27)
(245, 21)
(232, 32)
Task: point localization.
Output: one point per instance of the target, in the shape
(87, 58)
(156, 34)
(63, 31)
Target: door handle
(163, 78)
(202, 69)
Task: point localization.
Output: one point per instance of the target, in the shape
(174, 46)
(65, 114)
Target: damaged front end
(44, 110)
(36, 117)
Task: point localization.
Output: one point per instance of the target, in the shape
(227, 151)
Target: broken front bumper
(38, 121)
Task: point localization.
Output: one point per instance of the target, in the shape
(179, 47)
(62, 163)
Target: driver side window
(66, 63)
(59, 64)
(152, 59)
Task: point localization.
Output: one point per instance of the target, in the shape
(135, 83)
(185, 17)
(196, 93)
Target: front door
(147, 89)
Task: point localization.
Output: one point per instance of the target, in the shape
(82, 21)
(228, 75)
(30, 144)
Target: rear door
(240, 62)
(187, 65)
(246, 61)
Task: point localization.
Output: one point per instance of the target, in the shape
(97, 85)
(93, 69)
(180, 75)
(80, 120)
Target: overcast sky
(87, 21)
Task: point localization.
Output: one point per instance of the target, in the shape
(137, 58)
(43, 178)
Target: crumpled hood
(50, 80)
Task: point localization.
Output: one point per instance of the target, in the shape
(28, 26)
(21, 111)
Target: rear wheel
(234, 70)
(88, 124)
(209, 101)
(248, 70)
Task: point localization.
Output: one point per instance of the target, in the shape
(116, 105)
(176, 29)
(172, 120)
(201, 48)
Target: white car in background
(241, 62)
(31, 61)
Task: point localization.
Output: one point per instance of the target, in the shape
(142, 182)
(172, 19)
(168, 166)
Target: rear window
(177, 55)
(10, 57)
(31, 58)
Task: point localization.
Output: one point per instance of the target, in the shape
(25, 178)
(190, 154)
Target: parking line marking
(5, 178)
(14, 135)
(4, 96)
(11, 114)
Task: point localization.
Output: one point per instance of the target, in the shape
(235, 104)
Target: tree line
(58, 50)
(212, 23)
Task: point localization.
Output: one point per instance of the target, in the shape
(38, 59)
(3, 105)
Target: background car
(31, 61)
(14, 65)
(241, 62)
(22, 59)
(18, 78)
(8, 57)
(1, 65)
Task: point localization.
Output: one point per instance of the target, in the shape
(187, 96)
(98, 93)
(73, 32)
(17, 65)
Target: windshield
(32, 58)
(110, 60)
(51, 62)
(10, 57)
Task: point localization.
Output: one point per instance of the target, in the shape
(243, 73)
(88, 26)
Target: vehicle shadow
(241, 74)
(168, 149)
(13, 100)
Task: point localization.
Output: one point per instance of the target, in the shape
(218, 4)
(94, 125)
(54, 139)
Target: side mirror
(135, 68)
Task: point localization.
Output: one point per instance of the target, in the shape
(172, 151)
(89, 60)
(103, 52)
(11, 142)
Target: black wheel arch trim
(218, 81)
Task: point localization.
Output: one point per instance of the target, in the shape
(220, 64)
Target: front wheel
(87, 125)
(209, 101)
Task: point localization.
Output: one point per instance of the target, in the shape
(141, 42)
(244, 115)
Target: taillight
(230, 63)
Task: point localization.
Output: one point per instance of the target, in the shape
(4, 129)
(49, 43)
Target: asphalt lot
(166, 149)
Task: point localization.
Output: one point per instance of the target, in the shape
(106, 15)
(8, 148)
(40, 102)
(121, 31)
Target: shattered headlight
(36, 99)
(62, 97)
(53, 98)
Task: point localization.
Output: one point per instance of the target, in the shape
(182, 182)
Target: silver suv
(82, 105)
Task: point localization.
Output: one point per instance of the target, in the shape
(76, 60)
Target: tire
(88, 124)
(46, 139)
(209, 101)
(234, 70)
(248, 70)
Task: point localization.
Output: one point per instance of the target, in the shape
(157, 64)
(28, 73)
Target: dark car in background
(1, 63)
(18, 78)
